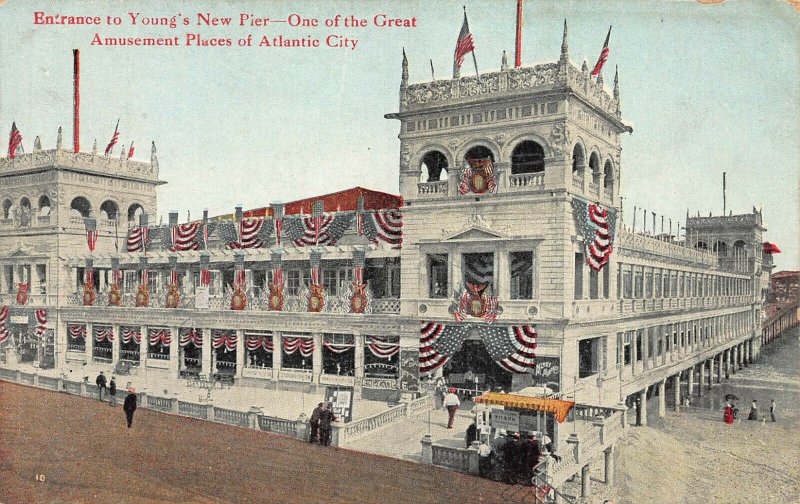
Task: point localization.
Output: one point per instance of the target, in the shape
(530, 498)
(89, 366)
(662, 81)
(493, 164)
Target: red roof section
(341, 201)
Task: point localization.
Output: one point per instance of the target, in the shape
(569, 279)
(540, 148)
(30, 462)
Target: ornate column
(205, 355)
(143, 345)
(641, 412)
(240, 344)
(676, 386)
(174, 346)
(662, 399)
(316, 358)
(702, 378)
(115, 344)
(277, 352)
(358, 340)
(89, 342)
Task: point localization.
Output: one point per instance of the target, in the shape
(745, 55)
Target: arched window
(44, 205)
(434, 162)
(527, 157)
(578, 160)
(80, 206)
(594, 166)
(135, 212)
(25, 203)
(7, 209)
(109, 210)
(701, 245)
(721, 248)
(608, 175)
(479, 152)
(739, 249)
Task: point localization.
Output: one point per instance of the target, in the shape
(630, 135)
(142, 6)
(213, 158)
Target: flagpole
(433, 77)
(474, 60)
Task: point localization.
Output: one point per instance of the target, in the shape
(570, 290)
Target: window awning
(560, 409)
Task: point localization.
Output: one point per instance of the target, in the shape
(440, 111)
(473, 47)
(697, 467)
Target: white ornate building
(465, 269)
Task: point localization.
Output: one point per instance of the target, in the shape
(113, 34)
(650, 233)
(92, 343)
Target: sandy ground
(693, 457)
(86, 455)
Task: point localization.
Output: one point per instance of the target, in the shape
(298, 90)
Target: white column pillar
(205, 355)
(89, 341)
(240, 343)
(358, 339)
(662, 399)
(115, 344)
(316, 358)
(143, 344)
(277, 352)
(174, 363)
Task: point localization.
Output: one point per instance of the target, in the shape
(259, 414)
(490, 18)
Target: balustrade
(526, 181)
(438, 188)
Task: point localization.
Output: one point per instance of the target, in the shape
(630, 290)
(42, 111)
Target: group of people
(129, 406)
(731, 411)
(510, 458)
(321, 419)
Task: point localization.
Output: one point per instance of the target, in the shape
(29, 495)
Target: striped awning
(559, 409)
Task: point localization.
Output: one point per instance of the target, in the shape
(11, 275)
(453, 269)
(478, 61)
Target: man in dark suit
(313, 437)
(326, 417)
(129, 406)
(100, 381)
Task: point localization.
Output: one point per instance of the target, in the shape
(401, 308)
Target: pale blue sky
(707, 88)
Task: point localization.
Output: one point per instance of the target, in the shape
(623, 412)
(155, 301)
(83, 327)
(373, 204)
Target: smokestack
(76, 103)
(518, 48)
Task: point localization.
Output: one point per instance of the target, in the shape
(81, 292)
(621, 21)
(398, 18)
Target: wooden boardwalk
(84, 453)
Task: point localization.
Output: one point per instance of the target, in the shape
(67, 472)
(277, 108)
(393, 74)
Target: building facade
(503, 263)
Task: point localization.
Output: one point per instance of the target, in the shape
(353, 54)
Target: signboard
(201, 298)
(505, 419)
(342, 400)
(527, 423)
(547, 373)
(19, 319)
(409, 369)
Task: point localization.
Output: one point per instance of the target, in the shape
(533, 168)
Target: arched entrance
(472, 368)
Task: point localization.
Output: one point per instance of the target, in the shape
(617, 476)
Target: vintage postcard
(508, 251)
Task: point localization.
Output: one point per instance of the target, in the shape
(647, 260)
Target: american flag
(603, 55)
(511, 347)
(464, 45)
(384, 225)
(479, 268)
(596, 225)
(437, 343)
(130, 151)
(250, 233)
(114, 139)
(91, 238)
(14, 141)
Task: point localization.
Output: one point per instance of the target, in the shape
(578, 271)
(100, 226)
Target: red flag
(771, 248)
(464, 45)
(114, 139)
(130, 151)
(603, 55)
(14, 140)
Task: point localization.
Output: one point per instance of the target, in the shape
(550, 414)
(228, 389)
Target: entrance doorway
(472, 369)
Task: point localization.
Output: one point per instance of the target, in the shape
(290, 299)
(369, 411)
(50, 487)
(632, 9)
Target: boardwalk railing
(253, 418)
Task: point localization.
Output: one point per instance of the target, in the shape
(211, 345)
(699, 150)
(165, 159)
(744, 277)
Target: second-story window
(437, 276)
(521, 264)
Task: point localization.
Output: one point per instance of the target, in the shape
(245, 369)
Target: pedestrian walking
(772, 410)
(753, 411)
(314, 436)
(439, 392)
(112, 392)
(129, 406)
(727, 416)
(326, 417)
(451, 402)
(101, 384)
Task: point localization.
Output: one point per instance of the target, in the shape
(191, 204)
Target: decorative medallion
(173, 296)
(89, 295)
(142, 296)
(239, 299)
(359, 300)
(276, 299)
(114, 297)
(316, 300)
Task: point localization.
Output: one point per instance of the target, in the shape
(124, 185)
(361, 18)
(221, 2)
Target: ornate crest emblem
(89, 296)
(239, 298)
(316, 299)
(276, 299)
(359, 300)
(22, 293)
(475, 301)
(114, 297)
(173, 296)
(142, 296)
(478, 177)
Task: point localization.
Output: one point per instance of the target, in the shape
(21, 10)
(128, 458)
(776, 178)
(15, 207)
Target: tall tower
(489, 168)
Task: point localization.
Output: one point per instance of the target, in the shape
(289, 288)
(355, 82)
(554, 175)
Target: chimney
(76, 103)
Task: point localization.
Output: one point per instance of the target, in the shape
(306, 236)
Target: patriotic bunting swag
(4, 333)
(224, 339)
(41, 322)
(293, 344)
(131, 334)
(185, 237)
(190, 336)
(383, 347)
(596, 224)
(339, 344)
(256, 341)
(478, 177)
(247, 233)
(138, 238)
(103, 333)
(156, 336)
(320, 230)
(511, 347)
(77, 331)
(385, 226)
